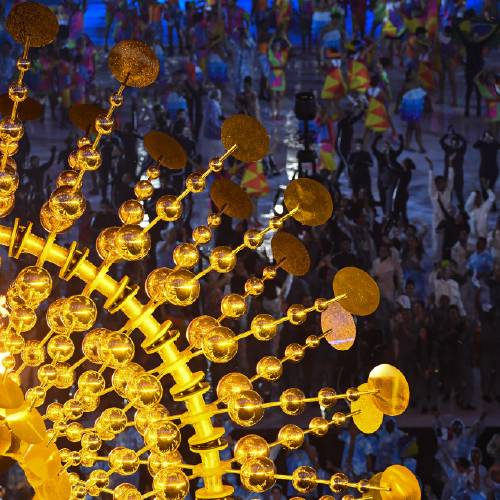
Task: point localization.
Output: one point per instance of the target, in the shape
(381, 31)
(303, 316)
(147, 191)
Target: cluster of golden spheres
(103, 361)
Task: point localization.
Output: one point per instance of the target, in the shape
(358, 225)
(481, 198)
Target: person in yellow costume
(334, 86)
(378, 119)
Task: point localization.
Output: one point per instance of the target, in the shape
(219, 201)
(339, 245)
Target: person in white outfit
(478, 210)
(440, 190)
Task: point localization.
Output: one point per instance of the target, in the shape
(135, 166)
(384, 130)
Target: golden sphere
(253, 239)
(153, 172)
(245, 408)
(6, 205)
(87, 158)
(155, 284)
(215, 165)
(104, 125)
(254, 286)
(145, 390)
(34, 285)
(338, 482)
(304, 479)
(168, 208)
(296, 314)
(67, 178)
(33, 353)
(251, 446)
(219, 345)
(78, 490)
(327, 397)
(222, 259)
(233, 305)
(105, 243)
(35, 396)
(80, 312)
(9, 181)
(123, 376)
(319, 426)
(74, 432)
(89, 402)
(67, 203)
(263, 327)
(92, 342)
(339, 419)
(181, 287)
(162, 437)
(115, 419)
(231, 385)
(195, 182)
(123, 460)
(132, 243)
(116, 100)
(55, 317)
(91, 441)
(144, 190)
(126, 491)
(186, 255)
(202, 235)
(72, 409)
(98, 479)
(54, 411)
(91, 383)
(291, 436)
(8, 148)
(14, 343)
(275, 222)
(352, 394)
(18, 92)
(320, 305)
(22, 318)
(116, 350)
(60, 348)
(269, 368)
(172, 482)
(294, 352)
(158, 461)
(149, 415)
(103, 430)
(312, 341)
(257, 474)
(53, 223)
(198, 328)
(11, 130)
(23, 64)
(292, 401)
(131, 212)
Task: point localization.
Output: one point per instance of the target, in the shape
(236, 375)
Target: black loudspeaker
(305, 106)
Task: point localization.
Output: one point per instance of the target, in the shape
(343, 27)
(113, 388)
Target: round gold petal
(402, 483)
(231, 198)
(341, 326)
(362, 293)
(393, 392)
(248, 134)
(312, 199)
(290, 253)
(133, 63)
(27, 110)
(165, 150)
(32, 21)
(370, 418)
(83, 116)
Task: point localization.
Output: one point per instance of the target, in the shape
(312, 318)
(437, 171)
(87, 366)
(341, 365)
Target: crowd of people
(439, 279)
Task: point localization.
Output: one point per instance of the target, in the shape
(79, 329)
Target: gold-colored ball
(18, 92)
(327, 397)
(131, 212)
(87, 159)
(126, 491)
(155, 284)
(214, 220)
(33, 353)
(123, 460)
(291, 436)
(143, 189)
(97, 481)
(320, 305)
(253, 239)
(233, 305)
(67, 203)
(222, 259)
(34, 284)
(74, 432)
(116, 99)
(91, 382)
(145, 390)
(251, 446)
(257, 474)
(65, 376)
(245, 408)
(9, 181)
(275, 223)
(132, 243)
(91, 441)
(215, 165)
(72, 409)
(11, 130)
(92, 342)
(35, 396)
(60, 348)
(23, 64)
(123, 376)
(319, 426)
(294, 352)
(55, 317)
(304, 479)
(186, 255)
(269, 368)
(79, 312)
(338, 482)
(52, 222)
(181, 288)
(104, 125)
(231, 385)
(254, 286)
(292, 401)
(296, 314)
(149, 415)
(352, 394)
(195, 182)
(105, 243)
(198, 328)
(339, 419)
(22, 318)
(263, 327)
(67, 178)
(54, 411)
(115, 419)
(162, 437)
(158, 461)
(117, 350)
(202, 235)
(169, 208)
(6, 205)
(172, 482)
(312, 341)
(219, 345)
(153, 172)
(47, 374)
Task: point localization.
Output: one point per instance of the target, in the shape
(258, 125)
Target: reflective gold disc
(27, 110)
(393, 392)
(341, 325)
(370, 418)
(133, 63)
(402, 482)
(248, 134)
(231, 198)
(362, 293)
(83, 116)
(375, 481)
(290, 253)
(34, 21)
(165, 150)
(312, 199)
